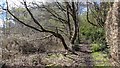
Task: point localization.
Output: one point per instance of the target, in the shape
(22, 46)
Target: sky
(2, 12)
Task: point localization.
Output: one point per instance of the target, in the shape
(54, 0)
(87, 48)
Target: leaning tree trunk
(112, 27)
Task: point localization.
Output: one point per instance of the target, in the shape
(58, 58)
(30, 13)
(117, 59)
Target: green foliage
(99, 47)
(95, 47)
(96, 35)
(100, 59)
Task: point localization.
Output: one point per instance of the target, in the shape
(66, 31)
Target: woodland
(58, 35)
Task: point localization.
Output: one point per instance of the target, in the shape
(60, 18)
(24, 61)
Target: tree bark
(68, 20)
(74, 16)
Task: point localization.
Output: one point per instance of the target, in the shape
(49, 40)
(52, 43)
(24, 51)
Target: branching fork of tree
(71, 21)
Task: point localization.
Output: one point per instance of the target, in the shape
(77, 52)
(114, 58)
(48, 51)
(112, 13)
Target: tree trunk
(75, 19)
(112, 28)
(68, 21)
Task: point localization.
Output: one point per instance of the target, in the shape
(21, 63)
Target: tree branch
(88, 17)
(23, 22)
(32, 15)
(56, 34)
(54, 14)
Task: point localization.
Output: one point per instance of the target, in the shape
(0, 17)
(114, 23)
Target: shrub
(95, 47)
(18, 45)
(95, 36)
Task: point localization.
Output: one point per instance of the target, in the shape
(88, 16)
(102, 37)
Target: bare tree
(69, 21)
(98, 12)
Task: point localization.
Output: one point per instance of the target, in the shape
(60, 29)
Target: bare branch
(32, 16)
(21, 21)
(56, 16)
(56, 34)
(88, 17)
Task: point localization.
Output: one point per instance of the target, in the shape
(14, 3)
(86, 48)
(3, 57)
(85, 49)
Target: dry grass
(18, 50)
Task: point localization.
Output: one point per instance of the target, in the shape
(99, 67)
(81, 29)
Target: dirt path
(84, 58)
